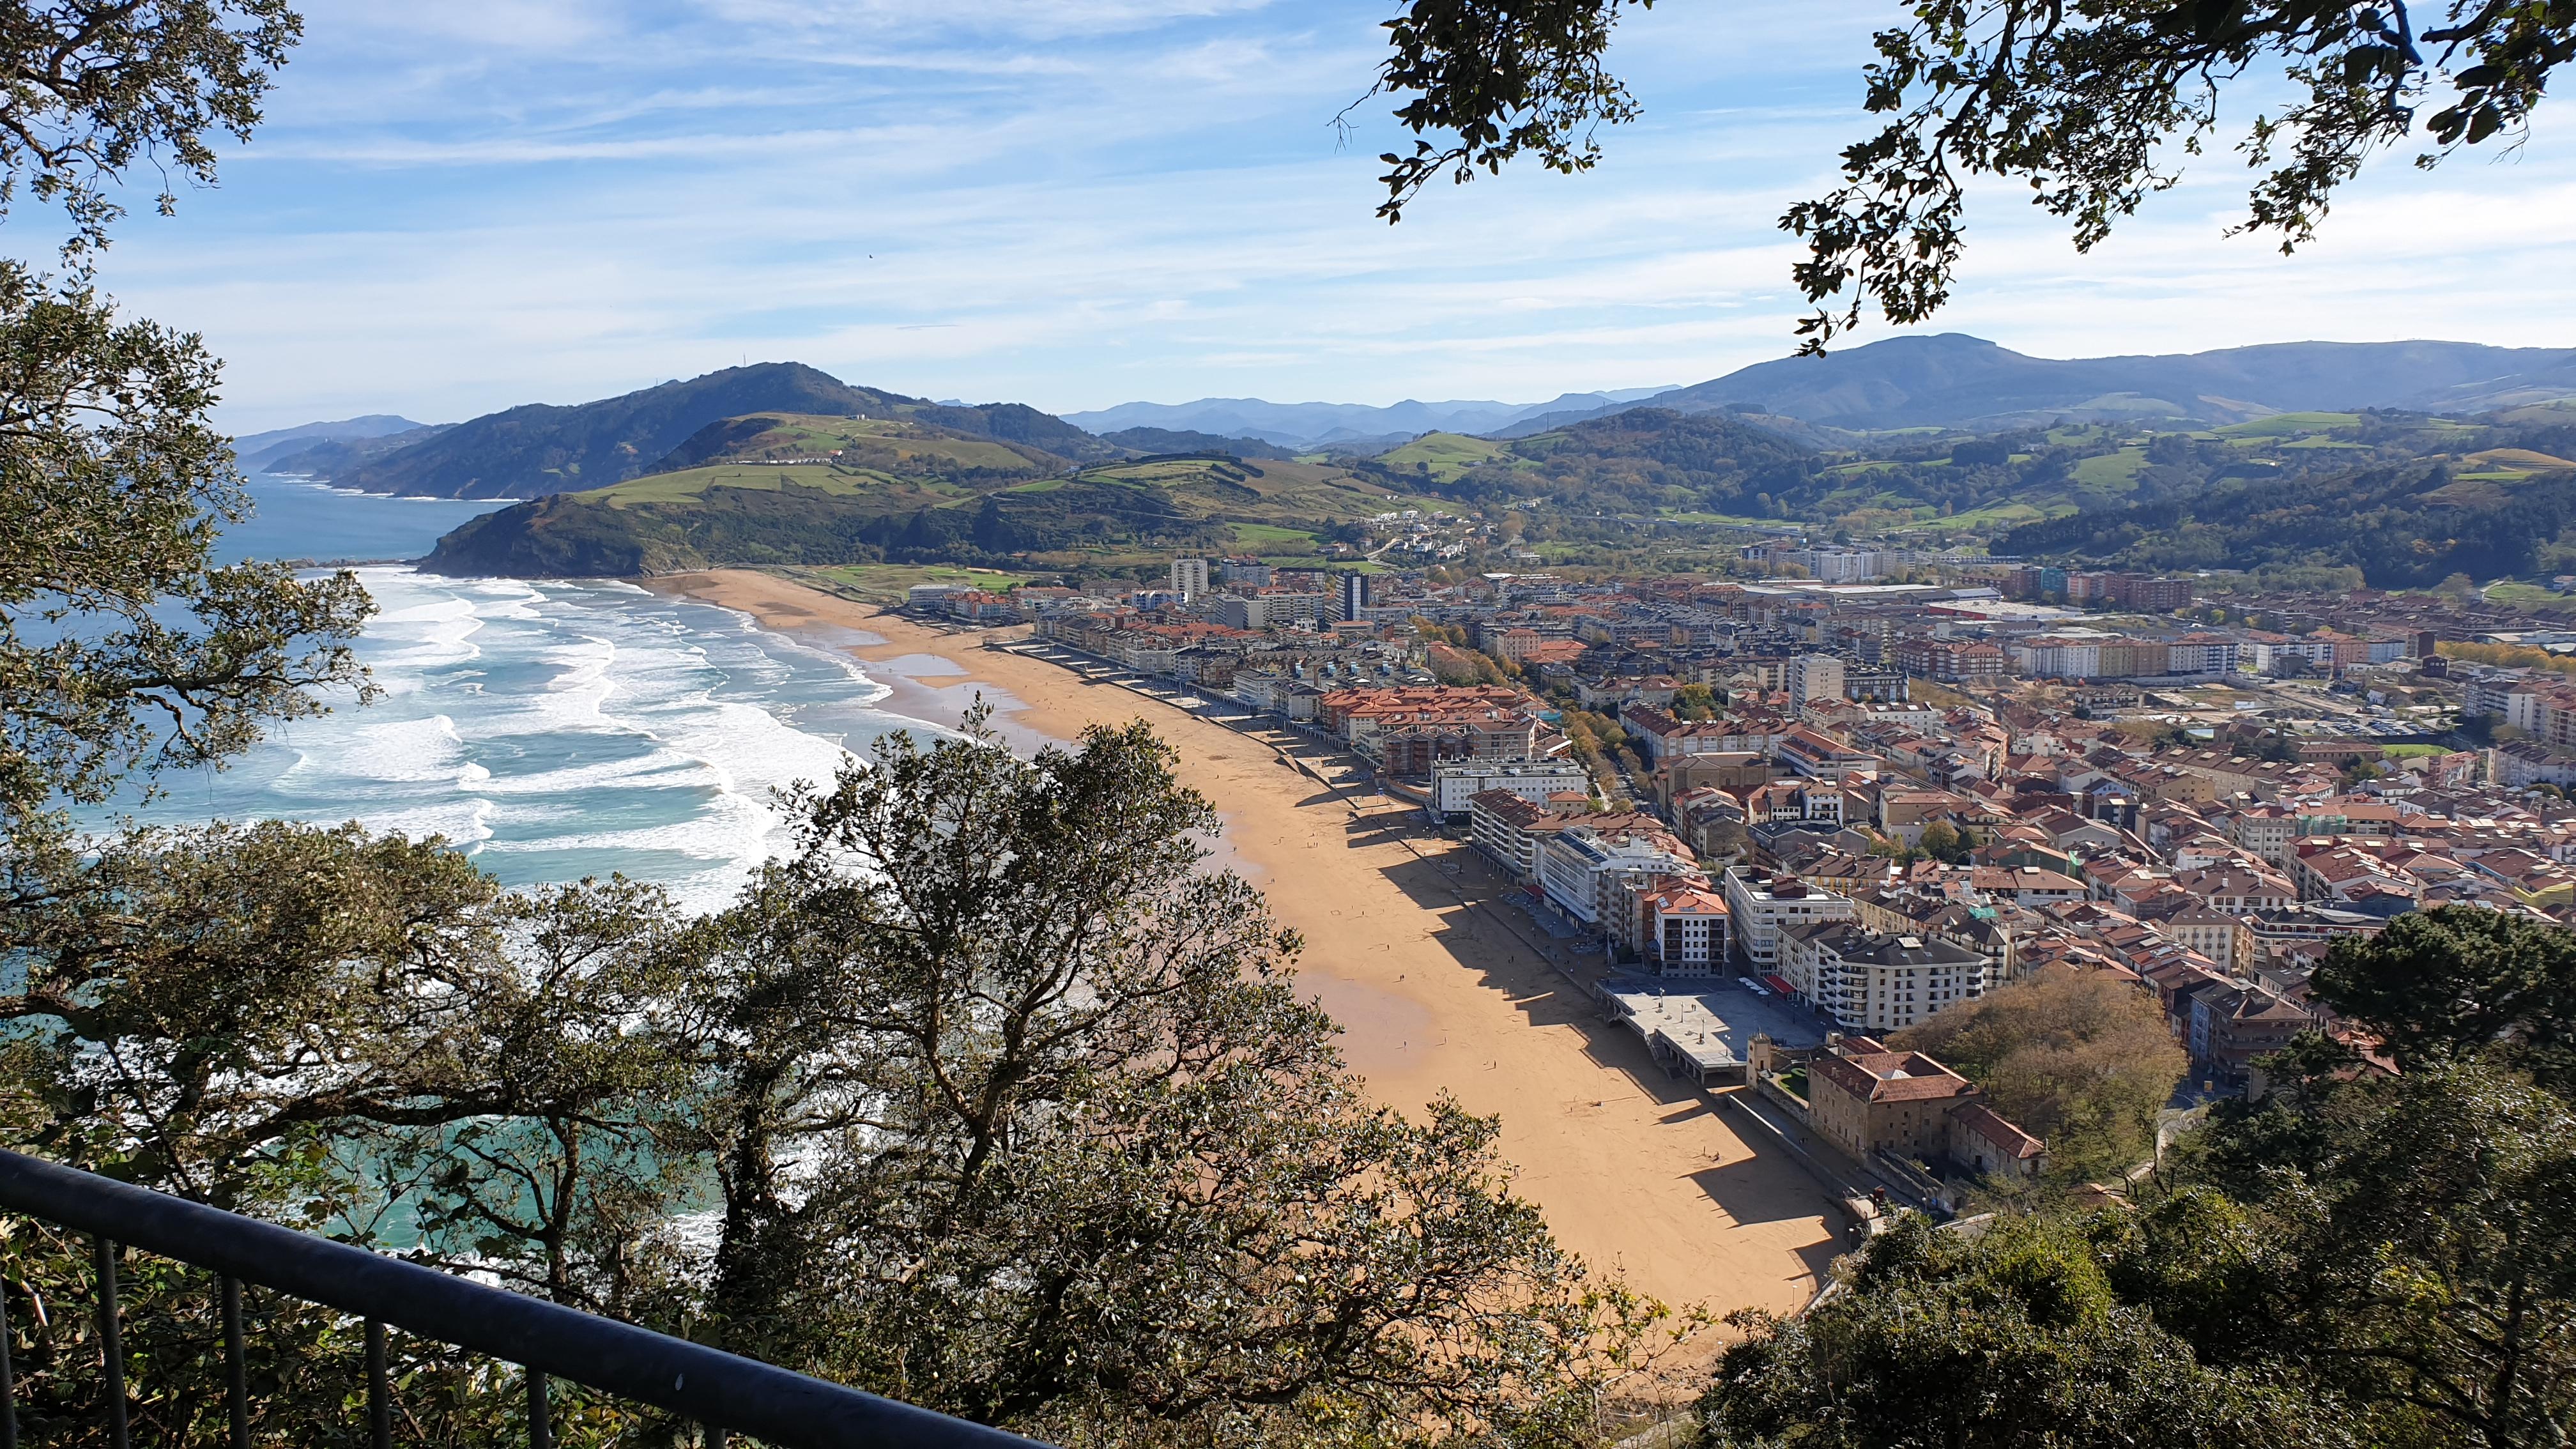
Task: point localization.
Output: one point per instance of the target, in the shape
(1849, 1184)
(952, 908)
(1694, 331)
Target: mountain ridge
(537, 449)
(1950, 380)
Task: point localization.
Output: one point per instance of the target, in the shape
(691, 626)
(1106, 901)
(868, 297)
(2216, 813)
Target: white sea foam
(567, 728)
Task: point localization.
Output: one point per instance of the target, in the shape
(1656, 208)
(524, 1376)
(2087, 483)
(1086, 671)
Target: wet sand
(1439, 986)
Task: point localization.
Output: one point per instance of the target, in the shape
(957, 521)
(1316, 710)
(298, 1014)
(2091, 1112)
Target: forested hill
(2406, 525)
(540, 448)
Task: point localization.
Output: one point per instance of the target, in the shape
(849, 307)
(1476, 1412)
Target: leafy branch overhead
(92, 87)
(2079, 101)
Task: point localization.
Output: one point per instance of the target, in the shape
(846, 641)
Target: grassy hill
(539, 449)
(789, 488)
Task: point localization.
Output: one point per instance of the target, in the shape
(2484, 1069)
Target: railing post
(541, 1424)
(236, 1367)
(380, 1389)
(111, 1341)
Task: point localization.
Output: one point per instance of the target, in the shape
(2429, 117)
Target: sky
(460, 206)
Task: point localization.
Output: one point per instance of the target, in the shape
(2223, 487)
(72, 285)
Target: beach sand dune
(1440, 987)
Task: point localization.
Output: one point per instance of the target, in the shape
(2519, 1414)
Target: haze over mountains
(1948, 381)
(1316, 424)
(1953, 381)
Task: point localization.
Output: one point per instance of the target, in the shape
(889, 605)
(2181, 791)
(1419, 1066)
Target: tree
(2076, 1058)
(2014, 1337)
(123, 649)
(2080, 104)
(98, 85)
(1013, 1109)
(1946, 843)
(2458, 981)
(2355, 1260)
(2422, 1245)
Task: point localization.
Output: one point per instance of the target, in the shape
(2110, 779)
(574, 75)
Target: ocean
(551, 730)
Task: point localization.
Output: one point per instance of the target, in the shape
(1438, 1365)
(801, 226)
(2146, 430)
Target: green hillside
(2409, 502)
(540, 448)
(817, 490)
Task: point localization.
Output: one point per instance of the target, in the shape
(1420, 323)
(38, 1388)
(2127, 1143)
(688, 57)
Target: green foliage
(2421, 1245)
(2458, 981)
(97, 85)
(2078, 1059)
(122, 647)
(2401, 524)
(2358, 1260)
(2013, 1337)
(1947, 844)
(2089, 109)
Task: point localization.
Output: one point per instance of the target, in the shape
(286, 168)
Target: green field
(1443, 456)
(2111, 472)
(2290, 425)
(759, 477)
(2408, 752)
(2508, 592)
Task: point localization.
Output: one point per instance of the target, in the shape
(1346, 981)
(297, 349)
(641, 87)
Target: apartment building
(1876, 983)
(1455, 783)
(1684, 931)
(1761, 906)
(1589, 873)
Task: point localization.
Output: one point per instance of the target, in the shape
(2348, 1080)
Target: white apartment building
(1760, 906)
(1815, 676)
(2058, 657)
(1453, 782)
(1189, 577)
(1589, 876)
(2202, 654)
(1873, 983)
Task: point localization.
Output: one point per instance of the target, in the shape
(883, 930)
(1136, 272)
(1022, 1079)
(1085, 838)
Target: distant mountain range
(259, 450)
(1954, 381)
(1351, 426)
(1948, 381)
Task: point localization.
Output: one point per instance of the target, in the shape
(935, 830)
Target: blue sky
(462, 205)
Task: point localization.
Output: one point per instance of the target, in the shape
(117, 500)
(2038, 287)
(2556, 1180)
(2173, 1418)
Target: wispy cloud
(1077, 202)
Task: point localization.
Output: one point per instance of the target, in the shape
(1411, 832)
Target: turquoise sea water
(551, 729)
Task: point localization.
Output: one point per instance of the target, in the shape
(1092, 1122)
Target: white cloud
(1080, 204)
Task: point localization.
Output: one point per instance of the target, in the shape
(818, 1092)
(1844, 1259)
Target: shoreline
(1433, 979)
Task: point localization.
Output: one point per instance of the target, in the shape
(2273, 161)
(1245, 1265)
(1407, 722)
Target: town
(1779, 817)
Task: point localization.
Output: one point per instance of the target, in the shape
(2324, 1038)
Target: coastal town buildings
(1879, 800)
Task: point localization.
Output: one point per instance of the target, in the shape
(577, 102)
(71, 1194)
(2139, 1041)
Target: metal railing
(723, 1393)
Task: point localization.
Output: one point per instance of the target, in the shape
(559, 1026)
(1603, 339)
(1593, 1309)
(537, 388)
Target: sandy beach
(1438, 986)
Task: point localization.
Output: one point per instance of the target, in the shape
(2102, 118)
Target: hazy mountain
(1166, 440)
(540, 448)
(1300, 425)
(258, 450)
(328, 459)
(1966, 382)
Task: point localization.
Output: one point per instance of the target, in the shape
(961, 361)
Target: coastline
(1407, 945)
